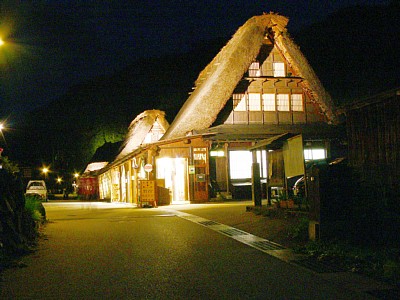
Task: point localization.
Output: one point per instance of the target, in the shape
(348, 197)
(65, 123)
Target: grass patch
(380, 263)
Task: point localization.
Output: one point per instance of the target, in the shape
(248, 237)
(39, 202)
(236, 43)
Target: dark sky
(52, 45)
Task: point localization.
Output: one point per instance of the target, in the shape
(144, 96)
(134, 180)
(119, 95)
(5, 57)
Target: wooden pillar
(256, 181)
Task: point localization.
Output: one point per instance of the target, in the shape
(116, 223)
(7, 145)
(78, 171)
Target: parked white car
(38, 188)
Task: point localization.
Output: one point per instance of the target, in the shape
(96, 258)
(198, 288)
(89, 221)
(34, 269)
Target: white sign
(148, 168)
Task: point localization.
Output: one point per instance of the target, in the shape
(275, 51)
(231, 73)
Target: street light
(2, 127)
(45, 170)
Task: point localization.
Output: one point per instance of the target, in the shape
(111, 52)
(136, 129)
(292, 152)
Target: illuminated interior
(174, 173)
(240, 164)
(314, 154)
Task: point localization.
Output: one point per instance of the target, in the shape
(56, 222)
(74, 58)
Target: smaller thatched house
(119, 180)
(146, 128)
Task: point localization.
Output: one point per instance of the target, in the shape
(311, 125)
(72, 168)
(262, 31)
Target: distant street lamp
(45, 171)
(2, 127)
(1, 42)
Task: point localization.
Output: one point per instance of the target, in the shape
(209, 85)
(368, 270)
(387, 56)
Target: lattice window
(239, 102)
(279, 69)
(283, 102)
(254, 102)
(297, 102)
(269, 102)
(254, 70)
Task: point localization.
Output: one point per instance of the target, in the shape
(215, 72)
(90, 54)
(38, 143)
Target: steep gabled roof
(217, 81)
(140, 127)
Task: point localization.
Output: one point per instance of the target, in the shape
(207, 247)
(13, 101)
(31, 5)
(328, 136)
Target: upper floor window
(254, 70)
(283, 102)
(269, 102)
(279, 69)
(154, 134)
(297, 102)
(254, 102)
(239, 102)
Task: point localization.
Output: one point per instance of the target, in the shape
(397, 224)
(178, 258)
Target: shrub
(298, 230)
(35, 208)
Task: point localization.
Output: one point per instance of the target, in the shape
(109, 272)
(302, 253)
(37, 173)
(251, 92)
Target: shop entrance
(173, 171)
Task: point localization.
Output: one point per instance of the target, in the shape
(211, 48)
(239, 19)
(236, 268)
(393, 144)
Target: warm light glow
(76, 175)
(59, 180)
(1, 126)
(1, 42)
(314, 154)
(240, 162)
(45, 170)
(174, 173)
(217, 153)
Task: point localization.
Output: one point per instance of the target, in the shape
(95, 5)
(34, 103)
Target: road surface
(106, 251)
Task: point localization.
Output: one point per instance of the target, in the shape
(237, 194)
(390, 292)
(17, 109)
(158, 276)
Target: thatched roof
(140, 127)
(217, 81)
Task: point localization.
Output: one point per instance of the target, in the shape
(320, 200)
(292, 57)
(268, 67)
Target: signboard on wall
(293, 155)
(192, 170)
(148, 168)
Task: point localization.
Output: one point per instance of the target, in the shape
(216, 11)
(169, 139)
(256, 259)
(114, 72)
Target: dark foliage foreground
(20, 218)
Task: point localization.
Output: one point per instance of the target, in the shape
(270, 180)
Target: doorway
(174, 173)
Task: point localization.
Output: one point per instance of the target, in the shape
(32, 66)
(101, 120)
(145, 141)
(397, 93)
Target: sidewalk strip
(243, 237)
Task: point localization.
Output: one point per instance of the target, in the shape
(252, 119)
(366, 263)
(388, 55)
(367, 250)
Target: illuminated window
(297, 102)
(239, 102)
(154, 134)
(254, 102)
(240, 164)
(283, 102)
(254, 70)
(279, 69)
(314, 154)
(261, 159)
(269, 102)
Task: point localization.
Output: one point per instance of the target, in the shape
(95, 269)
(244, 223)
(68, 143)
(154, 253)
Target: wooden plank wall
(374, 140)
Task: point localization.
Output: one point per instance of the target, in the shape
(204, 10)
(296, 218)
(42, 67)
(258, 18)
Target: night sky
(52, 45)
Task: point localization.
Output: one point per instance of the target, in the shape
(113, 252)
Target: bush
(298, 230)
(20, 217)
(35, 209)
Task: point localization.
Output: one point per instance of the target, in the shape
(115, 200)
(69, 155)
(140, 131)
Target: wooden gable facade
(271, 92)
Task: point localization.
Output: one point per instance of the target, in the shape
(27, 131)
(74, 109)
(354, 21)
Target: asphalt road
(104, 251)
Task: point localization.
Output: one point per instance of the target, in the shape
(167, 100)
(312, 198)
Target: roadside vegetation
(359, 224)
(20, 216)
